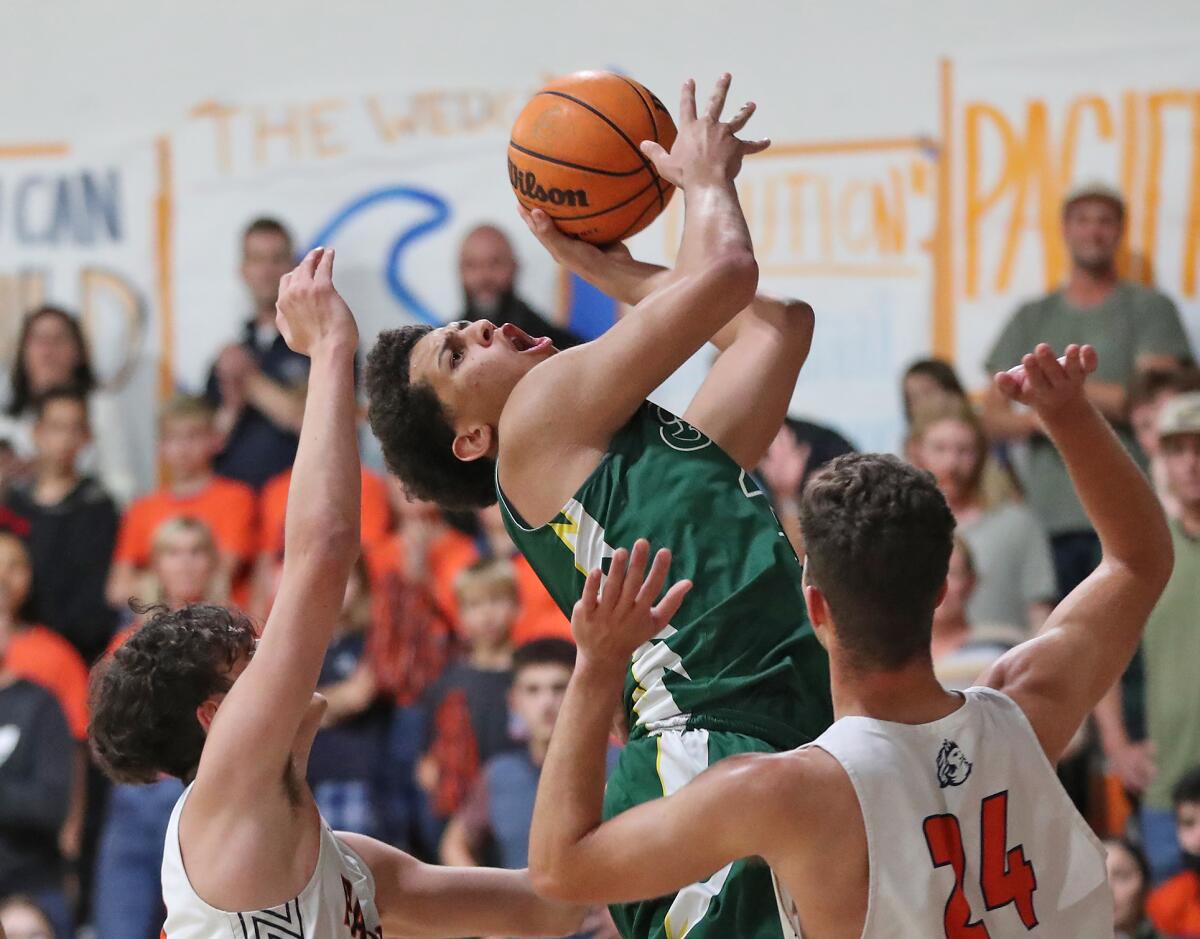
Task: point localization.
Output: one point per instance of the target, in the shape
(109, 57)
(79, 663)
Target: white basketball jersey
(970, 835)
(337, 903)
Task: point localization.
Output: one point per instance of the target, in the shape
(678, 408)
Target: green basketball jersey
(740, 655)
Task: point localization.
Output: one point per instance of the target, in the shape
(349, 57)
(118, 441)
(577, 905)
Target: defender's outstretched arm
(1087, 642)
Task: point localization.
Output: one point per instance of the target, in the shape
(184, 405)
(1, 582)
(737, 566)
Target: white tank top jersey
(970, 835)
(337, 903)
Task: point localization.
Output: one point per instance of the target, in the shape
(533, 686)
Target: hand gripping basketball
(706, 151)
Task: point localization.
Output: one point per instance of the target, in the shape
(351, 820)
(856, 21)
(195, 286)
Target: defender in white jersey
(194, 694)
(920, 812)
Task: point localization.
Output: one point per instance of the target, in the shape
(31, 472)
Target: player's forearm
(714, 228)
(323, 498)
(625, 279)
(571, 790)
(1117, 498)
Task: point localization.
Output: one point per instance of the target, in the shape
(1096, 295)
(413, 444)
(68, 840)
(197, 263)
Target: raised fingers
(308, 266)
(655, 579)
(636, 571)
(615, 580)
(716, 103)
(591, 590)
(687, 101)
(738, 121)
(324, 269)
(668, 606)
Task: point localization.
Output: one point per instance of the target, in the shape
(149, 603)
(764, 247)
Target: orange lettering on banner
(1191, 236)
(859, 242)
(265, 130)
(978, 203)
(1133, 266)
(1151, 194)
(221, 114)
(390, 127)
(795, 184)
(320, 128)
(890, 218)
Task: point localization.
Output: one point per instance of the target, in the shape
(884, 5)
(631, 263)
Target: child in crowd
(963, 650)
(539, 616)
(185, 567)
(45, 658)
(187, 448)
(72, 526)
(22, 918)
(1129, 879)
(375, 522)
(492, 826)
(468, 719)
(1174, 907)
(341, 764)
(412, 573)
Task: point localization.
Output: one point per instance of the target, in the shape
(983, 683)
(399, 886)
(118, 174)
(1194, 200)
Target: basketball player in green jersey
(583, 464)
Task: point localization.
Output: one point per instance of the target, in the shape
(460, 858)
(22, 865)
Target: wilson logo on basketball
(525, 182)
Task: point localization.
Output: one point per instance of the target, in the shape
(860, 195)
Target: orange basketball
(574, 153)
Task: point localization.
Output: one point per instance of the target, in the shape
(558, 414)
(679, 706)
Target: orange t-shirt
(1174, 908)
(375, 515)
(540, 616)
(225, 506)
(45, 658)
(449, 553)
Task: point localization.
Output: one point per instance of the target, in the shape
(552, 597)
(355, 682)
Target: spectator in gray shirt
(1015, 572)
(1133, 328)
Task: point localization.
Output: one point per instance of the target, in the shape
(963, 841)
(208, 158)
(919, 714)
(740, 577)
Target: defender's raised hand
(610, 624)
(1047, 384)
(706, 150)
(310, 311)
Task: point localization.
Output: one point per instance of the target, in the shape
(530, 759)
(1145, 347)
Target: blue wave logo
(393, 268)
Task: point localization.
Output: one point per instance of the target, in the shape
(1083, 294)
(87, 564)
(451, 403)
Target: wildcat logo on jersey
(354, 916)
(953, 767)
(678, 434)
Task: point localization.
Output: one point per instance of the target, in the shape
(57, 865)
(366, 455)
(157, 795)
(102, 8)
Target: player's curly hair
(144, 696)
(879, 534)
(414, 429)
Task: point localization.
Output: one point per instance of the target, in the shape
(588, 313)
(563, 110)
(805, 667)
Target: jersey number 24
(1005, 876)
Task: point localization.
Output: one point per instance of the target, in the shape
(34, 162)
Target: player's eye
(455, 358)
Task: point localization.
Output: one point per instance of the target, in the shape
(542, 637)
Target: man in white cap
(1170, 651)
(1133, 328)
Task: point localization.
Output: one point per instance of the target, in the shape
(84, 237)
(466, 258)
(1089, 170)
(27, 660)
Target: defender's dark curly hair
(879, 535)
(414, 429)
(144, 696)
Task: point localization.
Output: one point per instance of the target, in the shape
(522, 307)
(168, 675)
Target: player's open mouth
(521, 340)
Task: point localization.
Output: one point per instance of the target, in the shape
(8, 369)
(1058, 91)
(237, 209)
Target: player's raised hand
(1048, 384)
(574, 254)
(611, 623)
(706, 151)
(310, 311)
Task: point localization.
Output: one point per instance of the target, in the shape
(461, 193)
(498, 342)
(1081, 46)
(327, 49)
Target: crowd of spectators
(449, 659)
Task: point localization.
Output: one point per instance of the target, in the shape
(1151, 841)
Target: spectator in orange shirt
(45, 658)
(1174, 907)
(375, 521)
(412, 574)
(185, 567)
(422, 548)
(187, 446)
(539, 617)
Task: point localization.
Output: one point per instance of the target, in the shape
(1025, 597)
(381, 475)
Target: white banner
(1026, 128)
(79, 229)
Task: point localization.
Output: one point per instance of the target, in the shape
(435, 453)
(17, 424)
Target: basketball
(574, 153)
